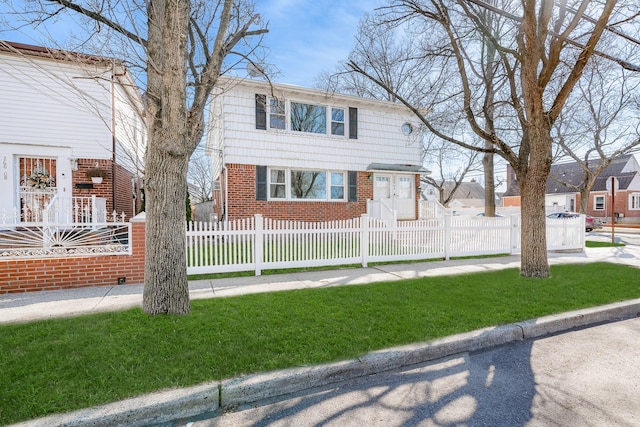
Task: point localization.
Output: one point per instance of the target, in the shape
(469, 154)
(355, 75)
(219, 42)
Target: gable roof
(573, 173)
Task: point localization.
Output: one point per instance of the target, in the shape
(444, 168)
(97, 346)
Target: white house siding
(380, 139)
(130, 127)
(51, 103)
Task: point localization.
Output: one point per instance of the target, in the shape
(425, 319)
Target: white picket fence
(257, 243)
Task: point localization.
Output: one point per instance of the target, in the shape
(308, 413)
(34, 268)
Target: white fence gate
(258, 243)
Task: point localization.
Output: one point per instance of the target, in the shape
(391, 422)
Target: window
(337, 121)
(285, 184)
(277, 184)
(634, 202)
(337, 186)
(276, 114)
(598, 203)
(308, 118)
(308, 185)
(273, 113)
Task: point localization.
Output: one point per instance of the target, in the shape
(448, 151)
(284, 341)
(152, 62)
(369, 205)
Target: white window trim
(630, 204)
(328, 118)
(287, 183)
(604, 202)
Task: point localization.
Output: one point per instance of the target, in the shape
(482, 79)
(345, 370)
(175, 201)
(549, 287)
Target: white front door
(397, 192)
(405, 197)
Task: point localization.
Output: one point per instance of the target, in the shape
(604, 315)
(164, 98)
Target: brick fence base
(26, 275)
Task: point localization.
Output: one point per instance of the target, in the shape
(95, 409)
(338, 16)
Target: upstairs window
(308, 118)
(277, 118)
(337, 121)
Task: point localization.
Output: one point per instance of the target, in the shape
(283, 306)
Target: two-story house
(63, 114)
(294, 153)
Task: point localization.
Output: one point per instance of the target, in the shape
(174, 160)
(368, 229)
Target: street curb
(180, 404)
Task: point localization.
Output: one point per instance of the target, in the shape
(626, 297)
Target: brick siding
(242, 201)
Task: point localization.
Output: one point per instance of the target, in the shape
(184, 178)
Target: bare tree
(184, 46)
(451, 165)
(541, 50)
(200, 176)
(601, 126)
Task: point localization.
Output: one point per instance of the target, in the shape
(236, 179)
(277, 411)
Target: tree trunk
(166, 290)
(489, 183)
(584, 199)
(534, 262)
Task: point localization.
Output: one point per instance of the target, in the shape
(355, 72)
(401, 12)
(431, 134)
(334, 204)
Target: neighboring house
(468, 194)
(560, 197)
(293, 153)
(62, 114)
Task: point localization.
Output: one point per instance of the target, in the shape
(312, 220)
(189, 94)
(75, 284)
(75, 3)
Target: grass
(65, 364)
(596, 244)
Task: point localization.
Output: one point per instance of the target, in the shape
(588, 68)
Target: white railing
(57, 235)
(429, 209)
(258, 243)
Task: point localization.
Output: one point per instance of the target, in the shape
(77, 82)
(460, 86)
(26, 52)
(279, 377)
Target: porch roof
(391, 167)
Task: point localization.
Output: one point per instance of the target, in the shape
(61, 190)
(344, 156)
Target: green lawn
(597, 244)
(66, 364)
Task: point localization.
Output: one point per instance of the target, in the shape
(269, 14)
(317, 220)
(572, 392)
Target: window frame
(328, 186)
(333, 121)
(634, 206)
(275, 102)
(338, 121)
(595, 202)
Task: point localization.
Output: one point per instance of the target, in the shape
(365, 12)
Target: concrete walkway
(22, 307)
(165, 407)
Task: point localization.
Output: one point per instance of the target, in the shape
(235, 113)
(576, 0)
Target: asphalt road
(588, 377)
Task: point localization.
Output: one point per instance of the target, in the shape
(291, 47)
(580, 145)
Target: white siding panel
(379, 139)
(50, 103)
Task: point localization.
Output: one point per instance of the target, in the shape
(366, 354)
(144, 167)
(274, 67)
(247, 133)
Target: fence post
(447, 237)
(364, 238)
(258, 245)
(514, 233)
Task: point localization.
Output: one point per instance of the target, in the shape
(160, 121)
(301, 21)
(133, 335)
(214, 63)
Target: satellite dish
(254, 70)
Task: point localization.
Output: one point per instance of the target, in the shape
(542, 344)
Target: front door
(37, 186)
(405, 197)
(397, 192)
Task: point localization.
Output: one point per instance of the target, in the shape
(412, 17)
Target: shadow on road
(486, 388)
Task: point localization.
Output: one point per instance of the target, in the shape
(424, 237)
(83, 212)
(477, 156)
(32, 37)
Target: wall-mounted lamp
(370, 176)
(74, 163)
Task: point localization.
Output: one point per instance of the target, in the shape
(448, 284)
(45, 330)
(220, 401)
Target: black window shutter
(353, 123)
(261, 183)
(353, 186)
(261, 112)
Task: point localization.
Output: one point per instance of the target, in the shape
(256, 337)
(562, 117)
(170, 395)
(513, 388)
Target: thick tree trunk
(584, 199)
(166, 289)
(533, 183)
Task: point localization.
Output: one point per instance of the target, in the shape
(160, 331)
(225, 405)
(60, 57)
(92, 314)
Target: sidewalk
(23, 307)
(167, 406)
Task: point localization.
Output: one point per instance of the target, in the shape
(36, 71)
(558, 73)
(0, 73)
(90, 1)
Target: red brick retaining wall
(26, 275)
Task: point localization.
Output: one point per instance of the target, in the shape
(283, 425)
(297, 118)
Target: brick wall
(242, 201)
(104, 189)
(76, 272)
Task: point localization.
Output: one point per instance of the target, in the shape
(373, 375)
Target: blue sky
(305, 37)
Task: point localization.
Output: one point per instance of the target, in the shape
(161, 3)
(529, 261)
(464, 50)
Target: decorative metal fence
(257, 243)
(82, 228)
